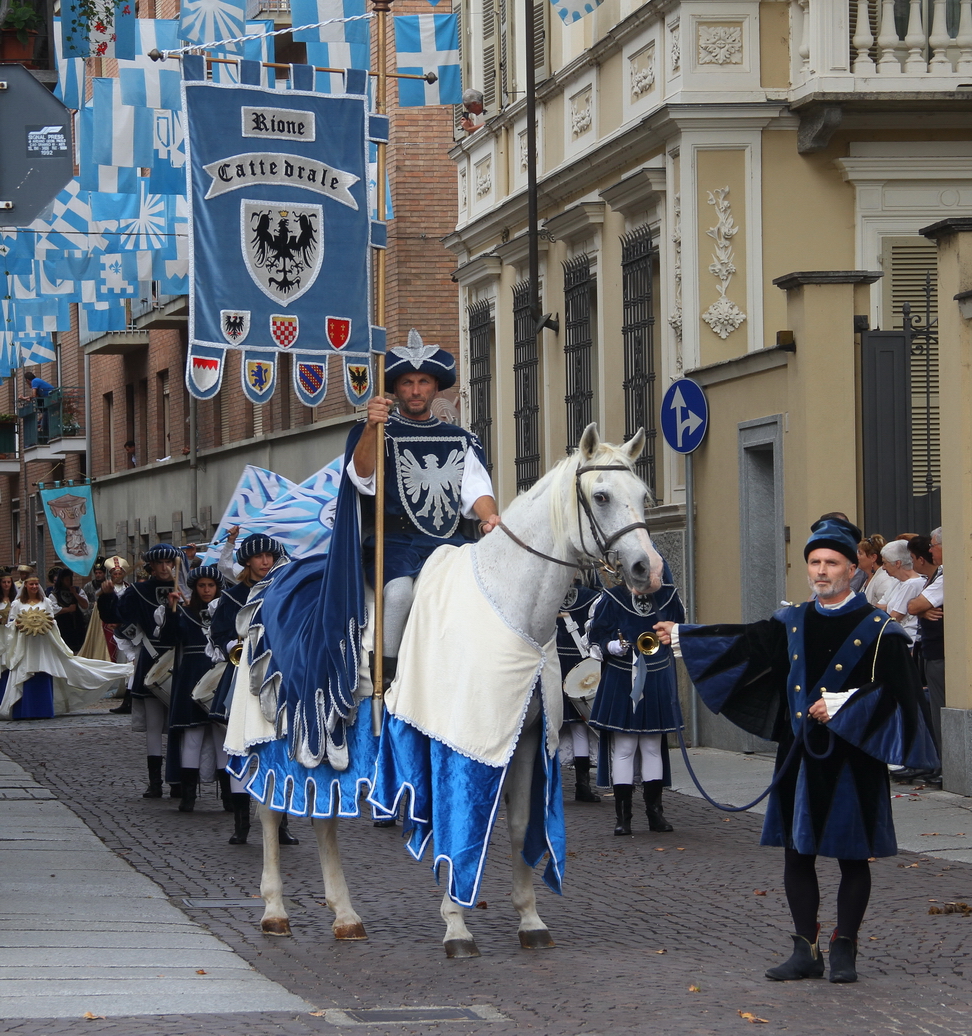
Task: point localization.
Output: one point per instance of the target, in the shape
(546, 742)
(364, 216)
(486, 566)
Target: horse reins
(601, 541)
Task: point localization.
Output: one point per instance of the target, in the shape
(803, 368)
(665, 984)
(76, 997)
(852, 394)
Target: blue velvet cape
(764, 675)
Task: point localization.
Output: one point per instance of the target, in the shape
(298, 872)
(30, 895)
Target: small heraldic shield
(283, 246)
(205, 371)
(338, 331)
(359, 379)
(284, 329)
(260, 375)
(235, 325)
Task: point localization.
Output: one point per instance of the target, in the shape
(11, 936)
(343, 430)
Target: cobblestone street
(656, 933)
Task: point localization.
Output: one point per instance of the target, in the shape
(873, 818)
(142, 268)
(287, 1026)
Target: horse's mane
(558, 484)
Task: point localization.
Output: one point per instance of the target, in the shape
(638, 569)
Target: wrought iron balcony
(55, 421)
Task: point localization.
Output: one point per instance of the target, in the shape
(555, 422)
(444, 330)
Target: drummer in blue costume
(833, 681)
(134, 613)
(634, 705)
(435, 475)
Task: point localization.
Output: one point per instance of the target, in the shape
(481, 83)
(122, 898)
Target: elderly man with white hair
(898, 563)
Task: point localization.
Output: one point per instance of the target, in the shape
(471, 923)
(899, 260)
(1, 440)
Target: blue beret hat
(415, 357)
(258, 544)
(161, 552)
(204, 572)
(834, 534)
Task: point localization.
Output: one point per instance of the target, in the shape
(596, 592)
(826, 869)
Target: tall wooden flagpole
(381, 9)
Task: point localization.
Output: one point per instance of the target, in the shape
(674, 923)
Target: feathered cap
(834, 534)
(257, 544)
(204, 572)
(423, 359)
(160, 552)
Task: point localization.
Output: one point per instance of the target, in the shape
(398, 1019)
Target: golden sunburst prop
(34, 622)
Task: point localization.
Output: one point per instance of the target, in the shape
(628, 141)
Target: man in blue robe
(435, 475)
(832, 680)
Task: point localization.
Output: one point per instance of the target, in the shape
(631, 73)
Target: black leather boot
(189, 778)
(843, 958)
(805, 962)
(241, 818)
(622, 808)
(125, 708)
(226, 796)
(154, 789)
(582, 772)
(284, 837)
(652, 791)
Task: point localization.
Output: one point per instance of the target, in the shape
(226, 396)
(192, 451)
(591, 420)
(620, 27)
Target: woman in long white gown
(45, 679)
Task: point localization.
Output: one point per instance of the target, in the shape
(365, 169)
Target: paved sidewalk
(656, 933)
(928, 821)
(82, 931)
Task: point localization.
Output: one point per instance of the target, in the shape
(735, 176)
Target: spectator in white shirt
(897, 562)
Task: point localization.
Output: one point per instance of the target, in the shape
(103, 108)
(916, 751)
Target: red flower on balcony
(100, 27)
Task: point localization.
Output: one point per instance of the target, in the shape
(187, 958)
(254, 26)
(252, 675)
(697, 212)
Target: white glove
(616, 648)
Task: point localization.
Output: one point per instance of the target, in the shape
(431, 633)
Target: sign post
(684, 421)
(37, 156)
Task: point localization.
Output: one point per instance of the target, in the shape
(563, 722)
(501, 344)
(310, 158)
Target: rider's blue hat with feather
(416, 357)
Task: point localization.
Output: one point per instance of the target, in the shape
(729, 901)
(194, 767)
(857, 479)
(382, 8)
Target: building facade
(733, 192)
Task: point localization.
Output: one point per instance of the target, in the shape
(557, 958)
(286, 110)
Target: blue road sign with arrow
(684, 416)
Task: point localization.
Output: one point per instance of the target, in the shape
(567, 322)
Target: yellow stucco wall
(774, 46)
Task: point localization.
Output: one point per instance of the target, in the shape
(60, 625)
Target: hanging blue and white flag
(309, 12)
(45, 314)
(152, 84)
(98, 39)
(36, 350)
(280, 228)
(428, 43)
(71, 523)
(101, 317)
(122, 135)
(574, 10)
(117, 276)
(70, 73)
(209, 21)
(168, 170)
(260, 49)
(336, 55)
(109, 179)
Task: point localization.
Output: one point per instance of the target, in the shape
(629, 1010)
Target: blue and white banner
(72, 526)
(309, 12)
(574, 10)
(70, 73)
(428, 43)
(83, 39)
(121, 134)
(209, 21)
(152, 84)
(280, 228)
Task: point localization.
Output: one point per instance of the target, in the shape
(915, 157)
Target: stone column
(821, 453)
(954, 237)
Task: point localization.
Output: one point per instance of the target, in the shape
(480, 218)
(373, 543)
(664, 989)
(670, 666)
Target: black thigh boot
(226, 796)
(154, 789)
(189, 778)
(652, 791)
(622, 808)
(582, 771)
(241, 818)
(284, 837)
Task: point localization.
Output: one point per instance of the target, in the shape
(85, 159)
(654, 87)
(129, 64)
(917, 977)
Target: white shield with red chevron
(338, 331)
(284, 329)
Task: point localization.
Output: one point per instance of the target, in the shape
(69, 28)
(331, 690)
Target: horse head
(613, 499)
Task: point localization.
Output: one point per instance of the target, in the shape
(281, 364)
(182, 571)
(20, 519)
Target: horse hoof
(276, 926)
(350, 931)
(459, 948)
(536, 939)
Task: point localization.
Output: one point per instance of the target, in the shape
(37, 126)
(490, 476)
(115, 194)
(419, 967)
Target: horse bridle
(606, 559)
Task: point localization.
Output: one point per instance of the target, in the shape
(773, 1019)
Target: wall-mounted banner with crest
(280, 231)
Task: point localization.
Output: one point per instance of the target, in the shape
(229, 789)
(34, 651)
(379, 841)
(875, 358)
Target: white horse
(591, 506)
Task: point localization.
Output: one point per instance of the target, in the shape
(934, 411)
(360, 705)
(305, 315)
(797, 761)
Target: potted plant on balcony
(17, 33)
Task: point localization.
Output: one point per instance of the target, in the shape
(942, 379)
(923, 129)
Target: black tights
(803, 893)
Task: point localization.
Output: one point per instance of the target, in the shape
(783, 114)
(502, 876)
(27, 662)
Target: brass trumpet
(236, 653)
(648, 642)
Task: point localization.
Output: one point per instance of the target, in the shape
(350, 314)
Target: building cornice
(637, 190)
(797, 280)
(879, 168)
(483, 268)
(741, 366)
(575, 221)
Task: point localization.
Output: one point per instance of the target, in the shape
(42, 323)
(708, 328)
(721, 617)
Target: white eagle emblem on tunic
(442, 484)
